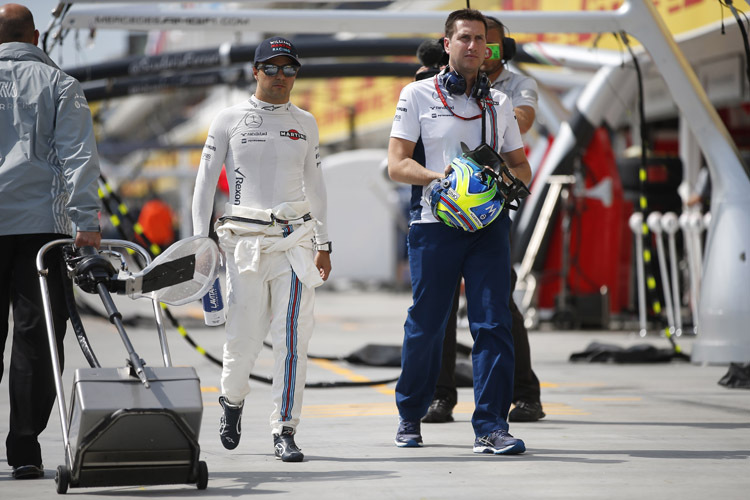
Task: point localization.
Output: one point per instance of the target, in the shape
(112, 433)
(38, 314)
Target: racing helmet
(467, 198)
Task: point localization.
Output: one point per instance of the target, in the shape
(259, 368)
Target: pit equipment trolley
(132, 425)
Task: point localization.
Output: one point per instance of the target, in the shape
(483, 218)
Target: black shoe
(526, 412)
(28, 472)
(440, 412)
(284, 446)
(230, 427)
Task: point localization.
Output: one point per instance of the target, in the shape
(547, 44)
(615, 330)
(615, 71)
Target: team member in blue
(433, 117)
(523, 92)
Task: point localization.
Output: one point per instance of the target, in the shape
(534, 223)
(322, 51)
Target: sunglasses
(288, 70)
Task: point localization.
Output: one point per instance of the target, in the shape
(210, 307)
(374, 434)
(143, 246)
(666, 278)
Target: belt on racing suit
(274, 220)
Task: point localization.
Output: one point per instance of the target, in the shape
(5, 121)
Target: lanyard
(483, 103)
(445, 103)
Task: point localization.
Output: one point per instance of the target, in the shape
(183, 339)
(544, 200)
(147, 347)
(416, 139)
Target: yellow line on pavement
(633, 398)
(552, 408)
(387, 409)
(349, 410)
(571, 384)
(350, 375)
(467, 407)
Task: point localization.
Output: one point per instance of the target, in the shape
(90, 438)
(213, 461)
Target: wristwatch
(324, 247)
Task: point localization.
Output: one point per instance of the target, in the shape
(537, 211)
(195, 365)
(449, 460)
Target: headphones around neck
(455, 83)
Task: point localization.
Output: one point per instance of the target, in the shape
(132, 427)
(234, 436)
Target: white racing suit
(273, 170)
(270, 281)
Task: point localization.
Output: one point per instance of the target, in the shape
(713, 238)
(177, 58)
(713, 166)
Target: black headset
(456, 84)
(508, 43)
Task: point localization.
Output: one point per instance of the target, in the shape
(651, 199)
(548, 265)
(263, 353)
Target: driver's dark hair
(463, 15)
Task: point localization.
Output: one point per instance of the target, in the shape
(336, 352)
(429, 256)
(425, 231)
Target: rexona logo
(293, 135)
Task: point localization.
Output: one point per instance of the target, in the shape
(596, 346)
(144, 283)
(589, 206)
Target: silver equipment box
(121, 430)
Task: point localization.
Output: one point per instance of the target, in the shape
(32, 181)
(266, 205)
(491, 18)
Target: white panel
(361, 221)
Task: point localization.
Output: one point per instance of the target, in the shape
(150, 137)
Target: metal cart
(132, 425)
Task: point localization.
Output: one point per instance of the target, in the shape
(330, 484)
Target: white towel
(248, 241)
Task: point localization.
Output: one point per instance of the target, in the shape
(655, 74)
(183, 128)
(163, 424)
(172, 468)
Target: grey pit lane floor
(665, 431)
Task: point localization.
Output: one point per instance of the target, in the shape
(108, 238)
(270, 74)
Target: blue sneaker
(500, 442)
(408, 434)
(230, 427)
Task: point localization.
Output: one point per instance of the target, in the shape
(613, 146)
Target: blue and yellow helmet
(467, 198)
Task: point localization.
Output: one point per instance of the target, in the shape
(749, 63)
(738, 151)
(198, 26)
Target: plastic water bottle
(213, 306)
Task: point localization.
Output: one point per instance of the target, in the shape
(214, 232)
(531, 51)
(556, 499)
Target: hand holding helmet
(510, 188)
(466, 198)
(476, 191)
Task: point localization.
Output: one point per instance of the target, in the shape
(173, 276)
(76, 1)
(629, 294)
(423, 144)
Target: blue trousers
(438, 256)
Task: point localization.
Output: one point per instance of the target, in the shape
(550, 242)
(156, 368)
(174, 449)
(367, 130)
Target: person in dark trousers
(523, 92)
(434, 116)
(49, 170)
